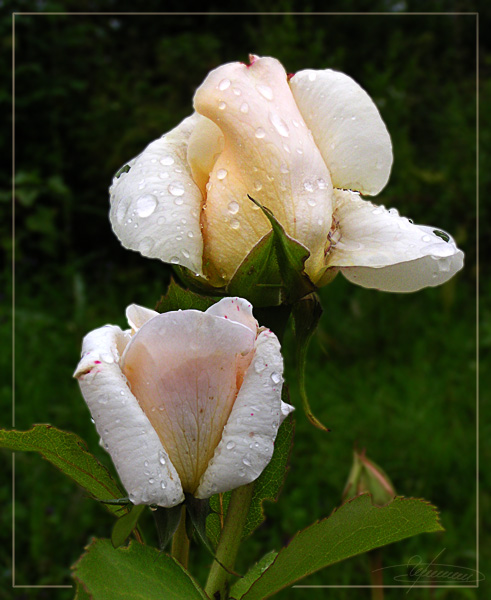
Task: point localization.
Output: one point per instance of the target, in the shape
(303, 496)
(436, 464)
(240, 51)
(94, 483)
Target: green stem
(376, 574)
(180, 541)
(228, 546)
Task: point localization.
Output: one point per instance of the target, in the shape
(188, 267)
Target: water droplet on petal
(246, 462)
(284, 168)
(167, 160)
(312, 202)
(265, 91)
(312, 76)
(321, 184)
(146, 205)
(244, 108)
(221, 173)
(145, 245)
(185, 253)
(280, 125)
(237, 92)
(258, 186)
(234, 224)
(259, 365)
(275, 377)
(233, 207)
(222, 105)
(224, 84)
(176, 188)
(230, 445)
(426, 238)
(151, 480)
(260, 133)
(308, 186)
(174, 260)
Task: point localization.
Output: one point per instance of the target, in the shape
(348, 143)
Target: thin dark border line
(476, 14)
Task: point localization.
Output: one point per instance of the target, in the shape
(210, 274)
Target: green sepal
(291, 256)
(306, 315)
(124, 525)
(259, 275)
(167, 521)
(179, 298)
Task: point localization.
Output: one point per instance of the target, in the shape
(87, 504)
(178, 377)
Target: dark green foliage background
(395, 374)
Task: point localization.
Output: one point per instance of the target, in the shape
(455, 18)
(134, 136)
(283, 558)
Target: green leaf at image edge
(133, 573)
(179, 298)
(356, 527)
(69, 454)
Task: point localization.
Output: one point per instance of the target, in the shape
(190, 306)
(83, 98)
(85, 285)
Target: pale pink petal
(138, 315)
(347, 128)
(247, 442)
(238, 310)
(375, 247)
(136, 451)
(270, 155)
(183, 369)
(156, 205)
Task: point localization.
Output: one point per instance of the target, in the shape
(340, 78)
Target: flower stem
(180, 541)
(228, 546)
(376, 575)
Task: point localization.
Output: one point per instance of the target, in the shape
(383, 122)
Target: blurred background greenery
(395, 374)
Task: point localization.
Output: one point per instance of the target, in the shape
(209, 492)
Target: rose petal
(248, 438)
(347, 129)
(155, 206)
(137, 316)
(205, 145)
(183, 369)
(377, 248)
(270, 155)
(235, 309)
(140, 459)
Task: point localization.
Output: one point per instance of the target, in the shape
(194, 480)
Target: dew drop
(258, 185)
(234, 224)
(176, 188)
(185, 253)
(179, 201)
(265, 91)
(237, 92)
(174, 260)
(190, 234)
(426, 238)
(299, 151)
(295, 123)
(221, 173)
(321, 184)
(308, 186)
(246, 462)
(224, 84)
(164, 175)
(312, 202)
(260, 133)
(312, 76)
(284, 168)
(280, 125)
(146, 205)
(244, 108)
(145, 464)
(222, 105)
(162, 485)
(151, 480)
(162, 460)
(275, 377)
(233, 207)
(167, 161)
(230, 445)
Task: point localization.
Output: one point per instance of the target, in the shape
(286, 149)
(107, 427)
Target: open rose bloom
(306, 147)
(185, 401)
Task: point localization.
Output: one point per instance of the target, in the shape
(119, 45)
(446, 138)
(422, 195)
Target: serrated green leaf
(178, 298)
(134, 572)
(356, 527)
(124, 525)
(243, 585)
(306, 315)
(81, 593)
(69, 454)
(266, 487)
(259, 275)
(291, 256)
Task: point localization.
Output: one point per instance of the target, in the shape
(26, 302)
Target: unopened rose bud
(366, 476)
